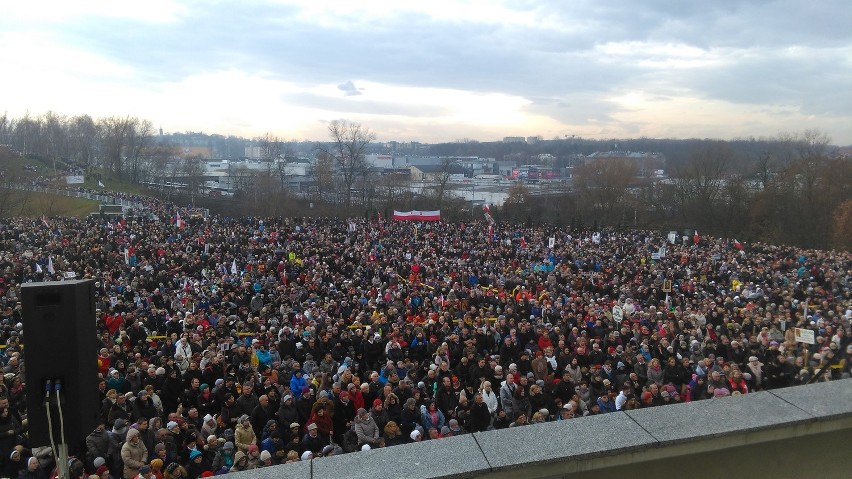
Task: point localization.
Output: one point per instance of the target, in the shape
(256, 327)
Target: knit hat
(307, 455)
(228, 446)
(171, 425)
(195, 453)
(145, 469)
(377, 402)
(365, 447)
(100, 470)
(265, 455)
(414, 434)
(99, 461)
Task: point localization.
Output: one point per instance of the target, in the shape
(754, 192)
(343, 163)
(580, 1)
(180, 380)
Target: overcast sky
(437, 70)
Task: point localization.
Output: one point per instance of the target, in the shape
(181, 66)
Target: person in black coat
(480, 417)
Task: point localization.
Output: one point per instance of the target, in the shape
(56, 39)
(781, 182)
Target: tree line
(794, 188)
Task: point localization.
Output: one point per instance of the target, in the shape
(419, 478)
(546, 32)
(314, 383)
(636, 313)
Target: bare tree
(323, 173)
(442, 178)
(82, 137)
(139, 136)
(7, 126)
(55, 142)
(11, 199)
(193, 171)
(27, 136)
(156, 158)
(700, 182)
(349, 142)
(114, 132)
(604, 184)
(271, 145)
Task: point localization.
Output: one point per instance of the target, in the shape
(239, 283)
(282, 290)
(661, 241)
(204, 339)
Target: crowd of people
(228, 344)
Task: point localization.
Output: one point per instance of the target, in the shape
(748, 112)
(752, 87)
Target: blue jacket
(296, 385)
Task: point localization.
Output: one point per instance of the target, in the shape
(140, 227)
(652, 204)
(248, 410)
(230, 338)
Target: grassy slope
(20, 203)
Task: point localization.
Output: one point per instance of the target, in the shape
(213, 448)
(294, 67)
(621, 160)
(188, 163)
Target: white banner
(805, 336)
(75, 179)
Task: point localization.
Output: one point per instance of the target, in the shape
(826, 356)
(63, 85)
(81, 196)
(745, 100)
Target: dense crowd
(229, 344)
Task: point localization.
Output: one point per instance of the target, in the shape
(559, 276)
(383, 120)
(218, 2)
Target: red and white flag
(738, 245)
(178, 221)
(695, 237)
(44, 222)
(417, 215)
(523, 242)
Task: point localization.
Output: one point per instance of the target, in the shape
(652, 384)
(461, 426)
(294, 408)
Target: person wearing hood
(757, 374)
(209, 425)
(297, 382)
(15, 463)
(366, 428)
(33, 470)
(224, 457)
(241, 461)
(244, 435)
(117, 436)
(97, 443)
(133, 454)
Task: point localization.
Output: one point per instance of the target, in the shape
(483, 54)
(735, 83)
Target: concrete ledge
(824, 401)
(759, 426)
(714, 417)
(559, 441)
(450, 458)
(295, 470)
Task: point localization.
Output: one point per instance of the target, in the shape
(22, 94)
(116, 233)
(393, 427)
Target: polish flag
(417, 215)
(695, 237)
(738, 245)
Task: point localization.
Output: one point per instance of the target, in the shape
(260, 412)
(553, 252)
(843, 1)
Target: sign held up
(805, 336)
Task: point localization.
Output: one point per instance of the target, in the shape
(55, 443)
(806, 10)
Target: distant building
(255, 152)
(647, 163)
(514, 139)
(534, 139)
(434, 172)
(379, 161)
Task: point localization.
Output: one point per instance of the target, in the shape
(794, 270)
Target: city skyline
(438, 71)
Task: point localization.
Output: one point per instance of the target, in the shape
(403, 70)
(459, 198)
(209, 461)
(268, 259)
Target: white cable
(61, 419)
(50, 431)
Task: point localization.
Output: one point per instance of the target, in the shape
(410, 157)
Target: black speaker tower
(60, 358)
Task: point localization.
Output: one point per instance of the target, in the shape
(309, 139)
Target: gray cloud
(554, 60)
(349, 89)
